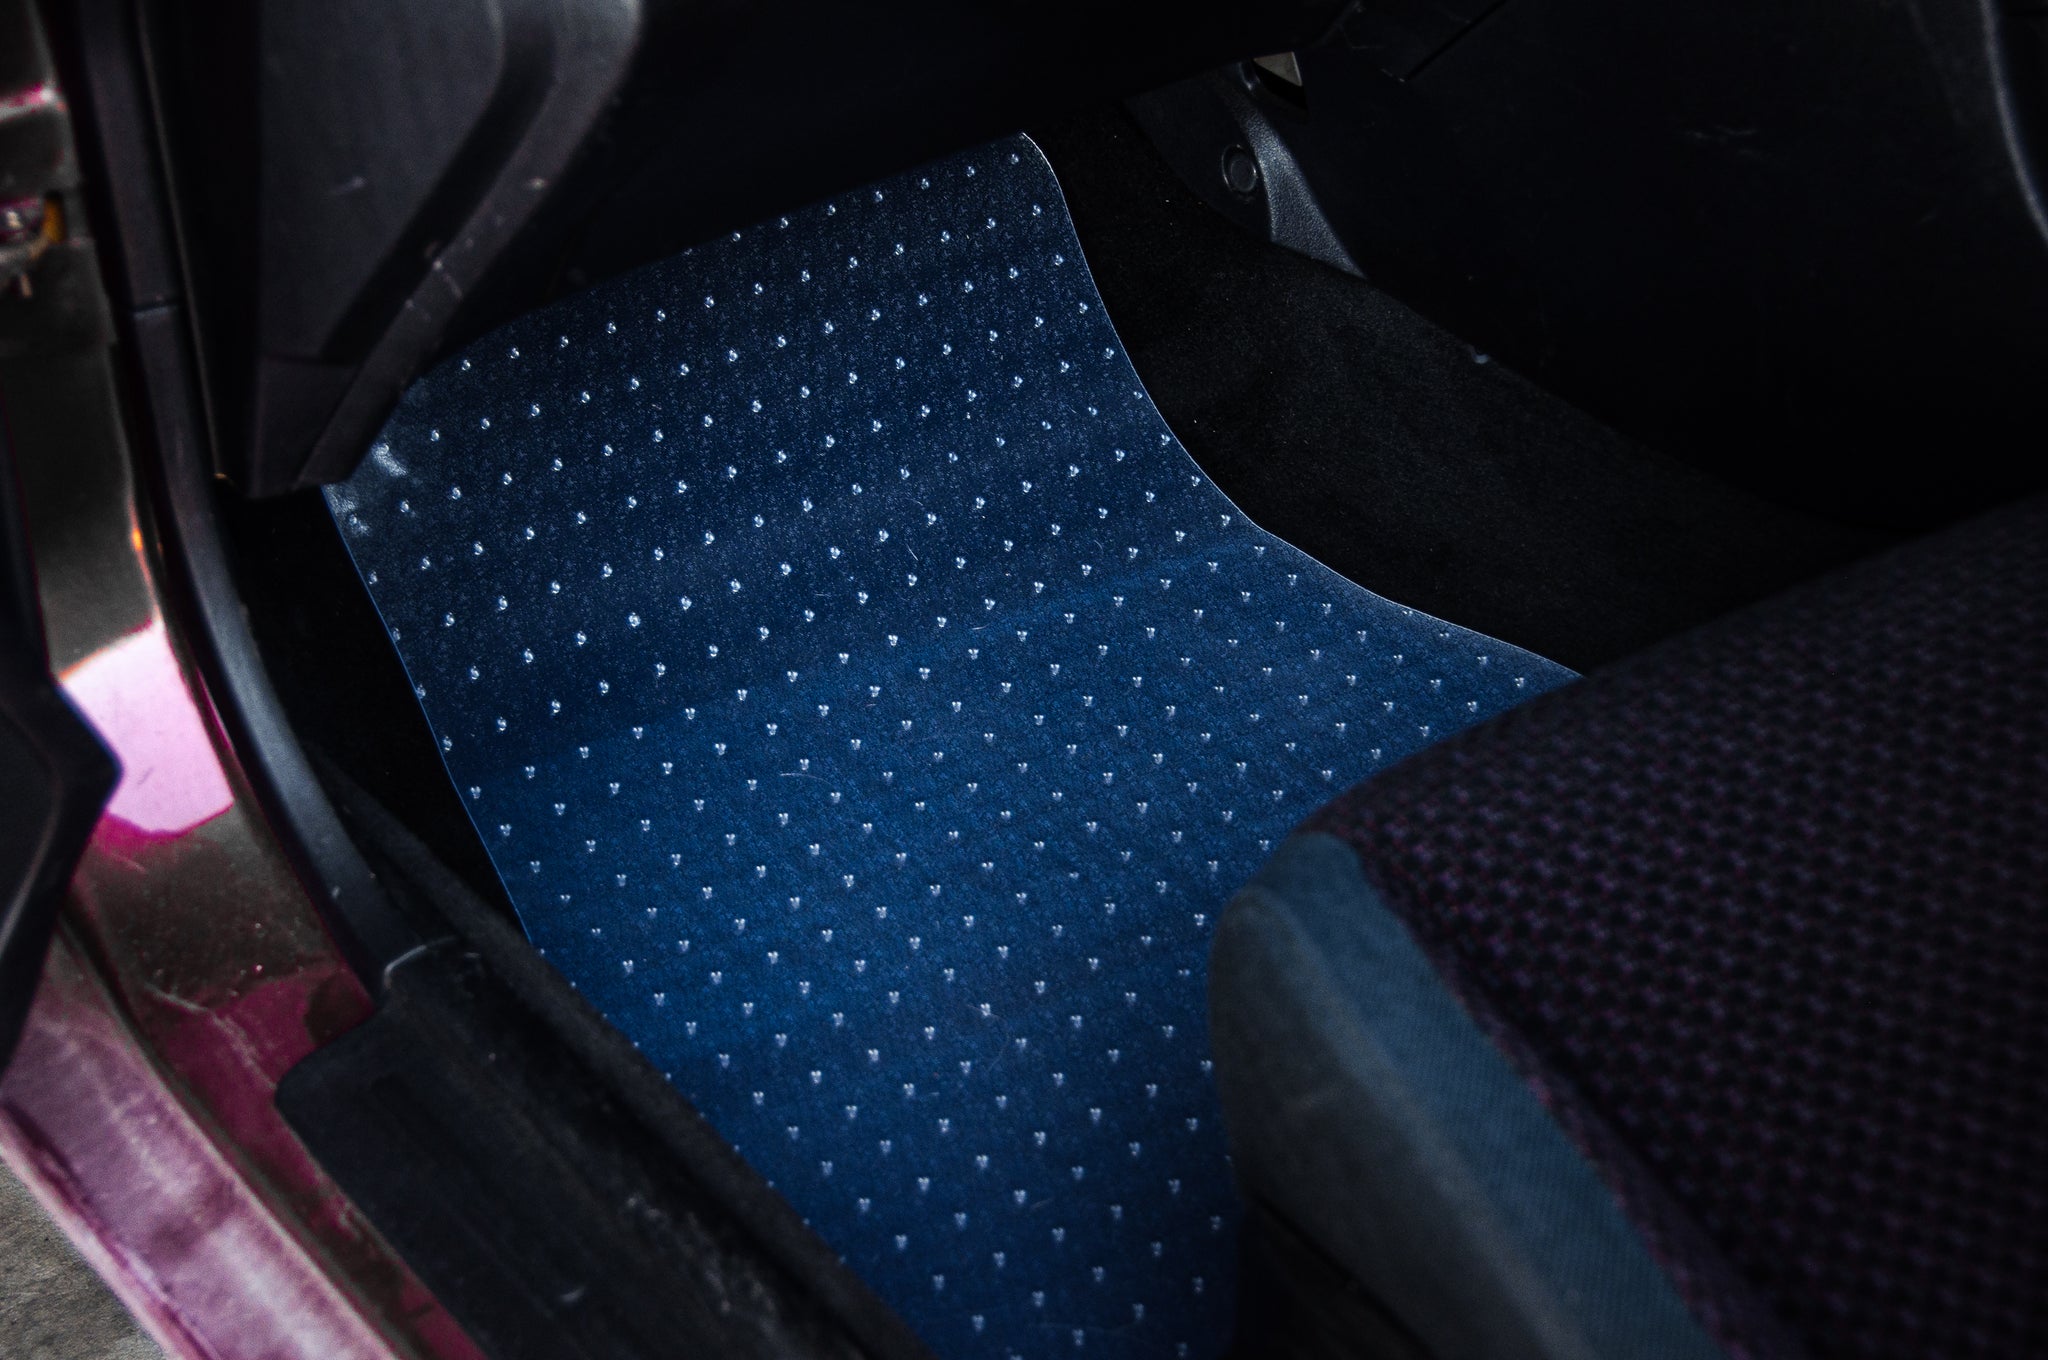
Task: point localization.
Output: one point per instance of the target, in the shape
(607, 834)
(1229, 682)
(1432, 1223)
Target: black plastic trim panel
(55, 775)
(552, 1188)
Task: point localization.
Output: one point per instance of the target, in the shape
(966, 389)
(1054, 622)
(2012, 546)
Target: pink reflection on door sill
(134, 693)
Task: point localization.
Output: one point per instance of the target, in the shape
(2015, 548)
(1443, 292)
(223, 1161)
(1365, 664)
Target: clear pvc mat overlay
(870, 706)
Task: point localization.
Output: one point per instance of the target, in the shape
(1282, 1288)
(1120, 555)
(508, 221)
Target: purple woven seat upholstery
(1762, 915)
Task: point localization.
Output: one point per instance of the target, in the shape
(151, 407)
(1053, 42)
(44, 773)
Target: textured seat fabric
(1371, 1114)
(870, 707)
(1761, 917)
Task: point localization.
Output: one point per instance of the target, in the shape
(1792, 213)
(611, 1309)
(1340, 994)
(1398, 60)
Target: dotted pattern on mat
(869, 706)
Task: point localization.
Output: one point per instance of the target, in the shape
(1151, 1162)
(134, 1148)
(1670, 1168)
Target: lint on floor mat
(870, 706)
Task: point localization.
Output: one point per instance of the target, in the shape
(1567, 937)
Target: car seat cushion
(1767, 902)
(1372, 1113)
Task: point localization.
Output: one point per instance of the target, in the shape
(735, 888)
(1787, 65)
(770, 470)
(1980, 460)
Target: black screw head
(1240, 170)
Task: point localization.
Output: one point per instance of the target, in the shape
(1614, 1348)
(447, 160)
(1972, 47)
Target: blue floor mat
(870, 706)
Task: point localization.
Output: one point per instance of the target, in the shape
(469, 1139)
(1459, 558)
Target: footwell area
(869, 706)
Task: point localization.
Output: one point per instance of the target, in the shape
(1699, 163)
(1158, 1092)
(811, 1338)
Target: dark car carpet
(869, 706)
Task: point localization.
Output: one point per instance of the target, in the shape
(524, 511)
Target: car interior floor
(1336, 681)
(1332, 416)
(1338, 419)
(1395, 453)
